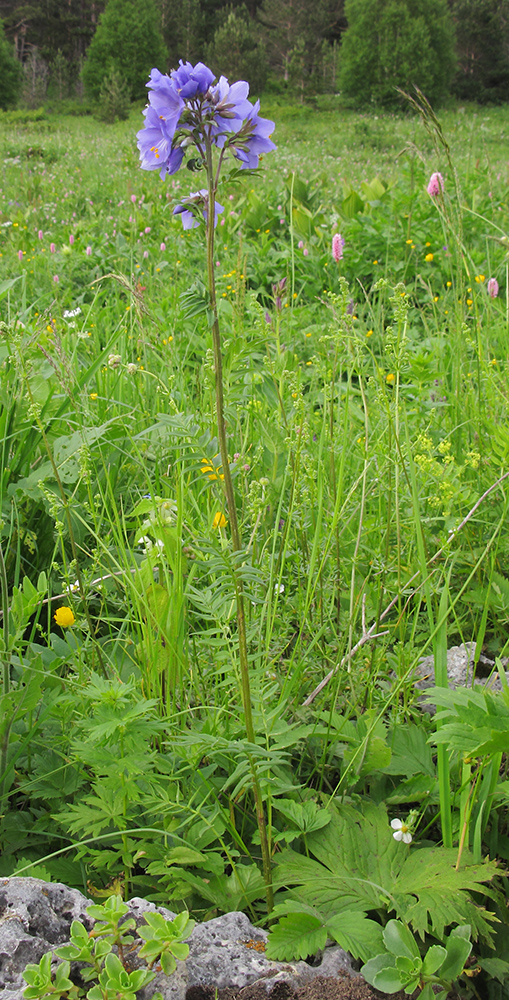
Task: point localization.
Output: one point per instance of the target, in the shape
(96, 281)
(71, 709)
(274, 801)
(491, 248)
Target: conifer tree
(128, 40)
(396, 43)
(10, 73)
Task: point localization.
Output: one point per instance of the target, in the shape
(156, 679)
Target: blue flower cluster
(187, 108)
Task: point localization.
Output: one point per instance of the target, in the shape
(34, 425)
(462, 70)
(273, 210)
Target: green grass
(366, 418)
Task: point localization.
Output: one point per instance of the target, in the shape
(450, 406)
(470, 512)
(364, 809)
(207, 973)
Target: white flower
(73, 587)
(71, 313)
(401, 831)
(279, 588)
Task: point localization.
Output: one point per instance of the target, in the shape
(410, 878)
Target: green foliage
(359, 867)
(482, 37)
(403, 968)
(236, 54)
(396, 44)
(127, 758)
(109, 972)
(114, 100)
(22, 116)
(128, 39)
(10, 71)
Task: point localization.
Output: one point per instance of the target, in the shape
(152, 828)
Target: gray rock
(229, 951)
(36, 916)
(460, 661)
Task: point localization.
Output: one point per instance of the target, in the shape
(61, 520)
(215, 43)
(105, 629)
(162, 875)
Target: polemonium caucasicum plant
(192, 114)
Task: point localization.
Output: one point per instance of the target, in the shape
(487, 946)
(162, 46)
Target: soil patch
(322, 988)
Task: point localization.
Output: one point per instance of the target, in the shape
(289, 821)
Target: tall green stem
(234, 527)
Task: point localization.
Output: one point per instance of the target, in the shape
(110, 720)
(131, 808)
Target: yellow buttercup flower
(390, 379)
(64, 617)
(209, 470)
(219, 520)
(428, 258)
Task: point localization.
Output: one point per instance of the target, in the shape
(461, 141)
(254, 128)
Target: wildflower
(40, 234)
(131, 368)
(493, 288)
(64, 617)
(428, 258)
(300, 244)
(20, 254)
(337, 247)
(162, 247)
(435, 185)
(133, 199)
(305, 251)
(219, 520)
(145, 254)
(390, 379)
(56, 279)
(71, 313)
(52, 248)
(194, 200)
(71, 239)
(209, 470)
(114, 360)
(88, 251)
(401, 831)
(93, 395)
(185, 107)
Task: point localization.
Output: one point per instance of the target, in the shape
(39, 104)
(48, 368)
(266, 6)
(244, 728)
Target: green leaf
(433, 959)
(497, 968)
(358, 866)
(352, 205)
(307, 816)
(184, 856)
(356, 933)
(168, 963)
(381, 964)
(388, 980)
(296, 936)
(399, 940)
(457, 950)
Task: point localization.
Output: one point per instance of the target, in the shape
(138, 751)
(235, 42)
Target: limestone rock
(460, 661)
(230, 951)
(36, 916)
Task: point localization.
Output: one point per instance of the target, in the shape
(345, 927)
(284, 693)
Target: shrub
(396, 43)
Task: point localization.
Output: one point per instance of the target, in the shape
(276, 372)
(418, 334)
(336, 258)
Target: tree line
(362, 48)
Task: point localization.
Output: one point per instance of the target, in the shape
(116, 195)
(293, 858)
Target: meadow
(366, 410)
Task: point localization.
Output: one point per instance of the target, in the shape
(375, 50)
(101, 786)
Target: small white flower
(146, 542)
(279, 588)
(73, 587)
(401, 831)
(71, 313)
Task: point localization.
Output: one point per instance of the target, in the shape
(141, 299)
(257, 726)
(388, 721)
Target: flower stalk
(234, 526)
(187, 110)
